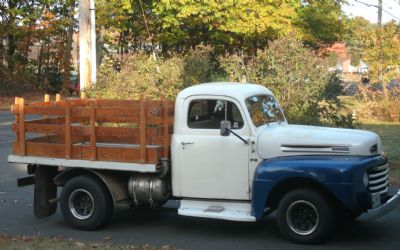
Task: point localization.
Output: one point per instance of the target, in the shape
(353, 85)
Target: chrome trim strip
(378, 180)
(378, 174)
(384, 191)
(314, 149)
(379, 187)
(379, 167)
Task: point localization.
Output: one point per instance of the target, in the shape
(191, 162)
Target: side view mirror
(225, 128)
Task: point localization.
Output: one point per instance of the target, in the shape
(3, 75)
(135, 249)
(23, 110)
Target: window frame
(233, 101)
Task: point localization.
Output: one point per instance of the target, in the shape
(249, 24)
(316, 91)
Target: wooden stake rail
(136, 131)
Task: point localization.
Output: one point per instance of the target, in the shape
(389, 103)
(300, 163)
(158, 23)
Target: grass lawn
(390, 135)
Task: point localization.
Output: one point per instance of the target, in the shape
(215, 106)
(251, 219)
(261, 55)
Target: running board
(236, 211)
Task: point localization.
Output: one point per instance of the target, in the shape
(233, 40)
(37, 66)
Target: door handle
(186, 143)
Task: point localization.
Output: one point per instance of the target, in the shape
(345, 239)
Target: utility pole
(380, 13)
(380, 69)
(93, 42)
(87, 44)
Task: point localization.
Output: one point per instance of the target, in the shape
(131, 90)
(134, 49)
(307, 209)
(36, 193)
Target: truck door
(211, 165)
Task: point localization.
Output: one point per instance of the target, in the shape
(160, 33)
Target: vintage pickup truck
(224, 150)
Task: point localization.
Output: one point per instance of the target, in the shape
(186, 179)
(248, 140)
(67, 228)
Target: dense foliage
(161, 46)
(34, 48)
(379, 47)
(139, 75)
(305, 89)
(300, 80)
(36, 37)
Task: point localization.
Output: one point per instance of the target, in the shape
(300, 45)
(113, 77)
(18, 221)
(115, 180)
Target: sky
(355, 8)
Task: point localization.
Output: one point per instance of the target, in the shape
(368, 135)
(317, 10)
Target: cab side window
(208, 114)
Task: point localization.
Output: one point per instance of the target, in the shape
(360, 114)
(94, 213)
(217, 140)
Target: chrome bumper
(376, 213)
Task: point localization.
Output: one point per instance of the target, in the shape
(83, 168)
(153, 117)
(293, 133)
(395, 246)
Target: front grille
(378, 179)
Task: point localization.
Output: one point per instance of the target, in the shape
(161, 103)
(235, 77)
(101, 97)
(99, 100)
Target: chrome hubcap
(81, 204)
(302, 217)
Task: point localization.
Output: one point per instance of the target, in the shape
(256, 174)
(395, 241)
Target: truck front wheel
(86, 203)
(305, 216)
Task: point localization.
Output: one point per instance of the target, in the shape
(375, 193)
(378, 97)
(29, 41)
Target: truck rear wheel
(86, 203)
(305, 216)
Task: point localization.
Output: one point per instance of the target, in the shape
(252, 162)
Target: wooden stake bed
(125, 131)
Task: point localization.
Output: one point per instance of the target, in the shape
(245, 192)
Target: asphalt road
(159, 227)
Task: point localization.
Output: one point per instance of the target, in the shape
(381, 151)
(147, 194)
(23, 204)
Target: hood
(286, 140)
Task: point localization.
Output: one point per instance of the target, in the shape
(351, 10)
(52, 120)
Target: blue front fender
(340, 175)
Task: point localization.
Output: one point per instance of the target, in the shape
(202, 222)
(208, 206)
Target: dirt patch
(23, 242)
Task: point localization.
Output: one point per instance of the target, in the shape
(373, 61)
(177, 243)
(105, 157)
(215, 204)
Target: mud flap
(45, 190)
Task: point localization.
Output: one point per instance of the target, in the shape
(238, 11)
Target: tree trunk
(68, 50)
(99, 46)
(40, 63)
(12, 45)
(11, 40)
(1, 52)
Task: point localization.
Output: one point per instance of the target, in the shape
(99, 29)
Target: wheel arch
(113, 182)
(289, 184)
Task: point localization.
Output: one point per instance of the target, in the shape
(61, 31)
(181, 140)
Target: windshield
(264, 109)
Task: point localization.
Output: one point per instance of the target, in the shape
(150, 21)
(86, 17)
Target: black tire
(305, 216)
(86, 203)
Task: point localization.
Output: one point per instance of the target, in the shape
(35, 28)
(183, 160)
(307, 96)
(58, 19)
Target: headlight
(365, 180)
(374, 149)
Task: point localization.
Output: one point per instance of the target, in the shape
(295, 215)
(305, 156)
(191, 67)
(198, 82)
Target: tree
(356, 31)
(245, 24)
(18, 19)
(320, 21)
(382, 53)
(45, 26)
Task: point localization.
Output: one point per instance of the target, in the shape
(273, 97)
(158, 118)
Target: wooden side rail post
(93, 130)
(142, 127)
(68, 140)
(16, 109)
(21, 126)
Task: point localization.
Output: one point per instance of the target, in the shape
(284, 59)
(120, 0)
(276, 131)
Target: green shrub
(199, 66)
(234, 68)
(140, 75)
(298, 78)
